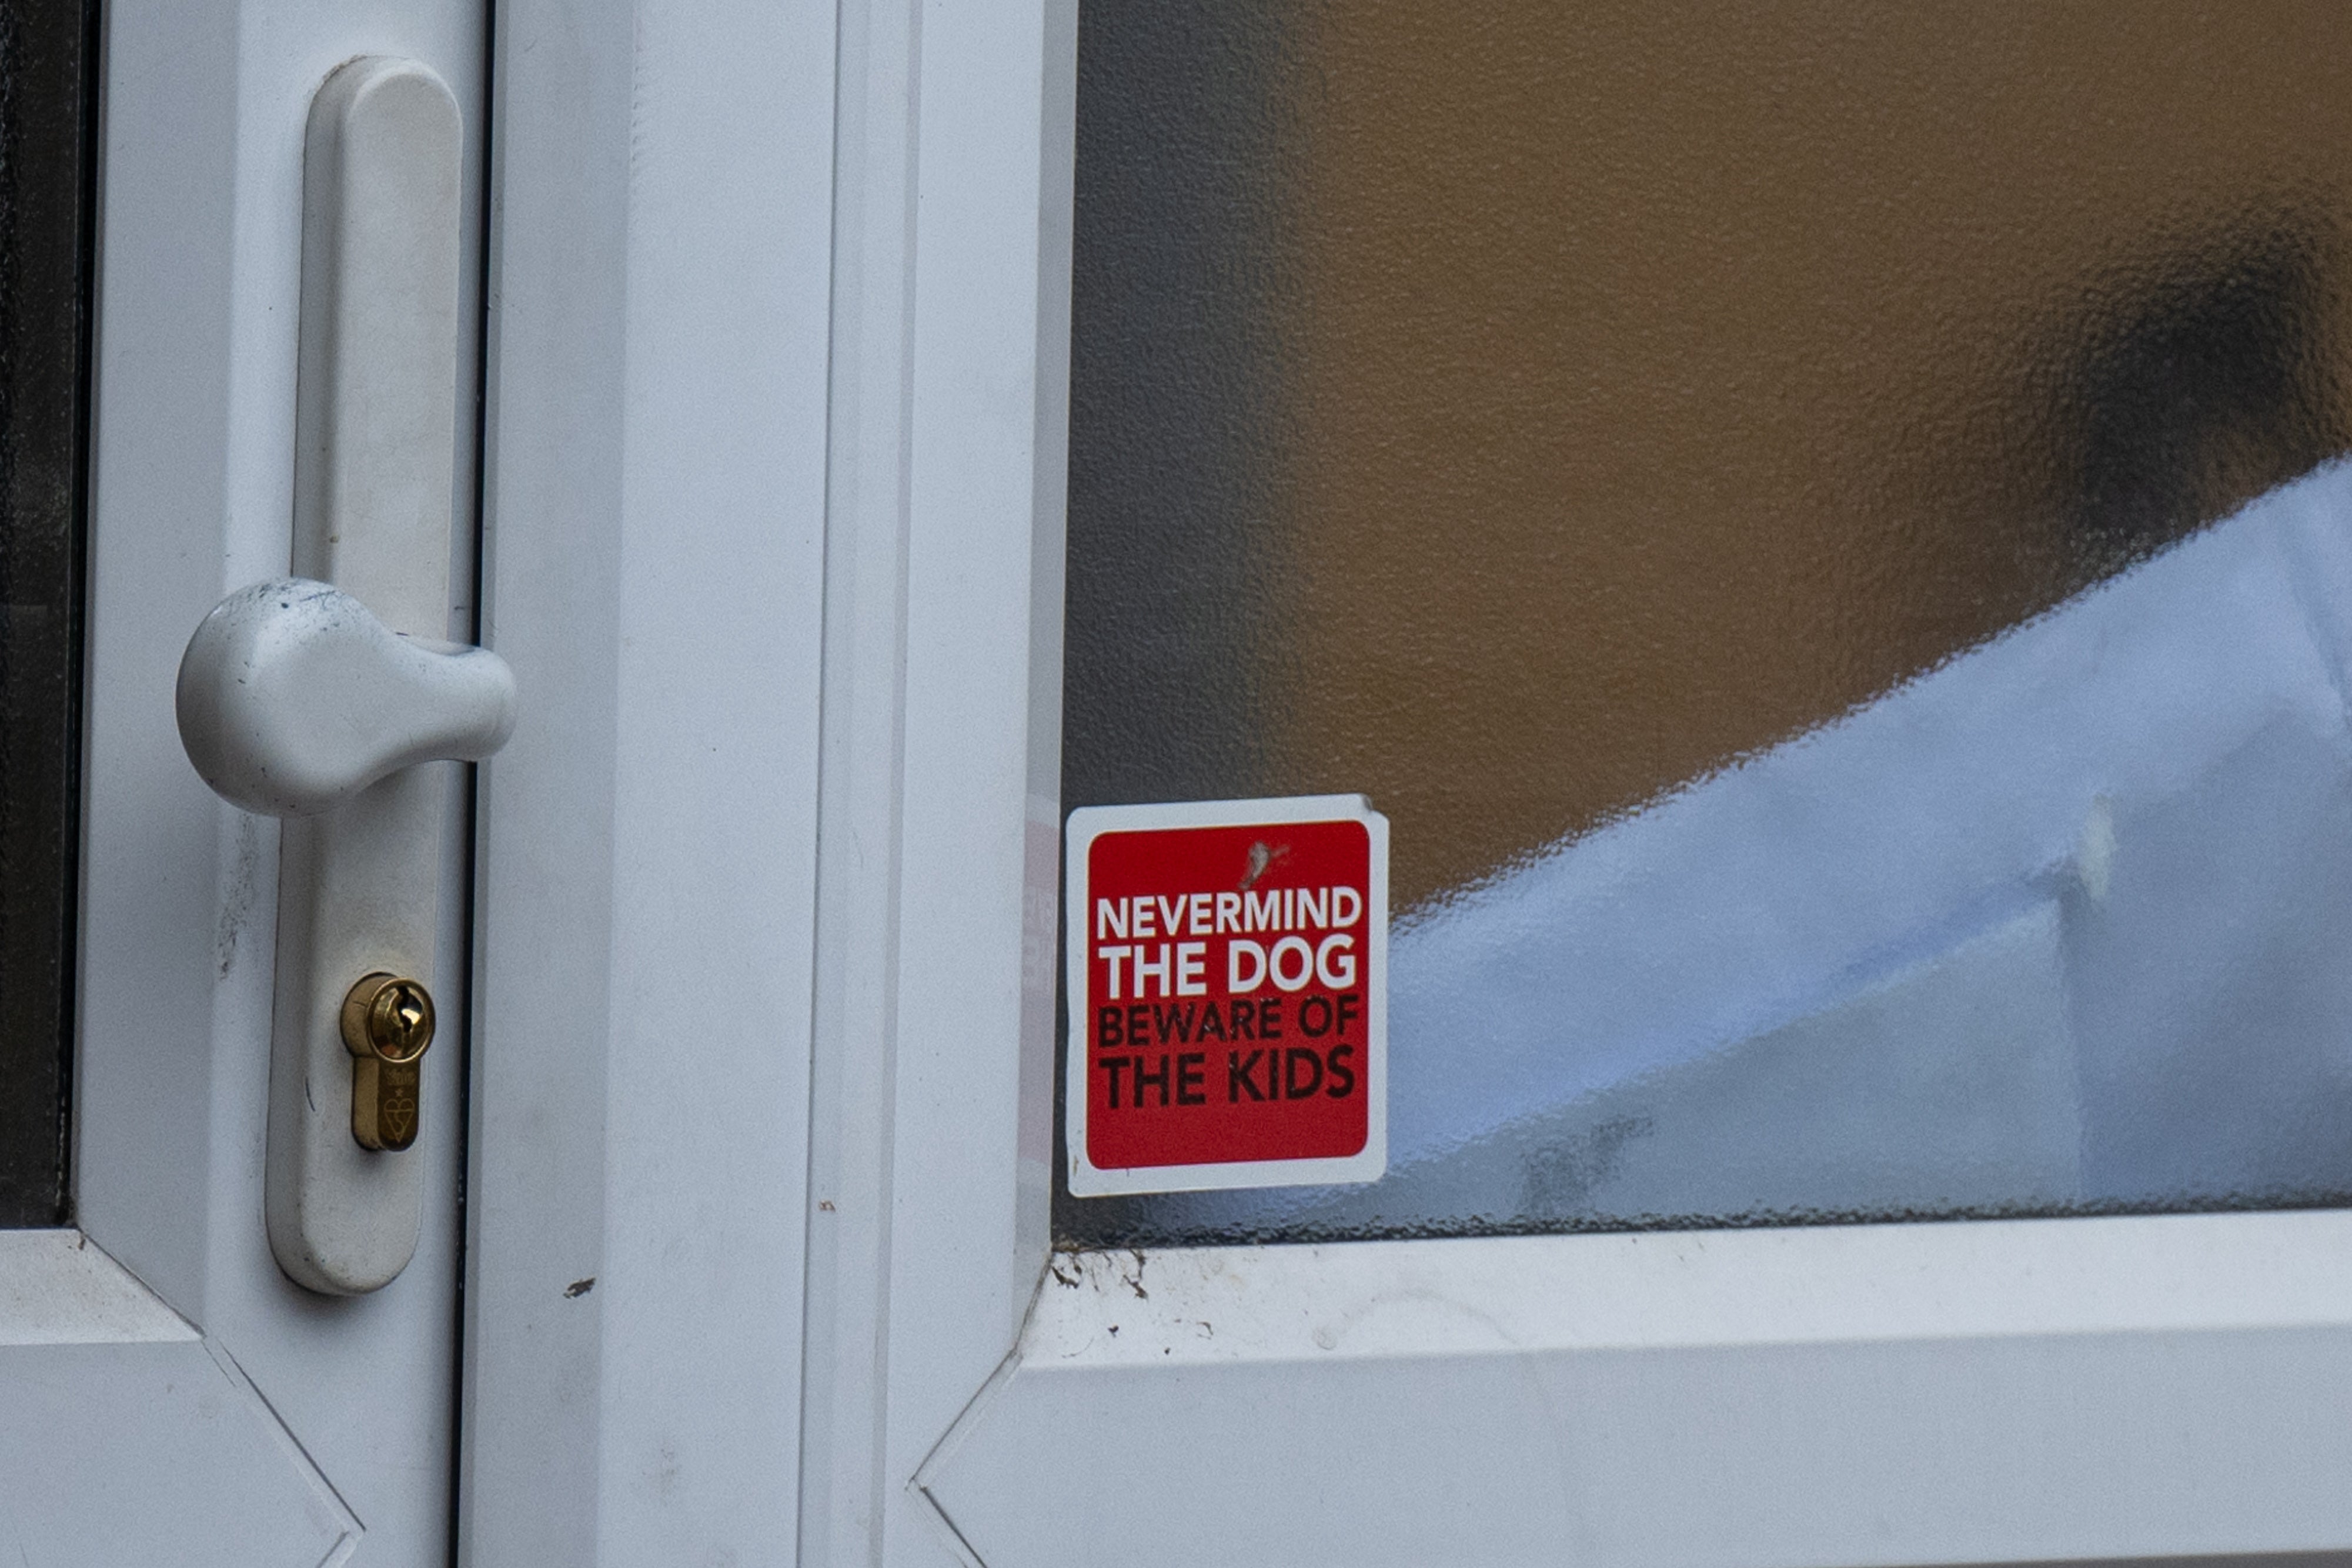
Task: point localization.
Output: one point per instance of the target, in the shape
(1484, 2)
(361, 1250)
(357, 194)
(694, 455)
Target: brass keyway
(387, 1024)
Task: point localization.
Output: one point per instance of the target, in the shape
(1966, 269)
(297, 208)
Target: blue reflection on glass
(2061, 925)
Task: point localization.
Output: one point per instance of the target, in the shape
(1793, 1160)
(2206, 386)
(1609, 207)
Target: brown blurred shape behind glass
(1513, 414)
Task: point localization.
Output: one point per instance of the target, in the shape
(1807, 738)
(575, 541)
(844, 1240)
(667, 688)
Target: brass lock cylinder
(387, 1026)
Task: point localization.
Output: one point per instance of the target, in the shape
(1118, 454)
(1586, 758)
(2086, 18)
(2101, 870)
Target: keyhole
(389, 1018)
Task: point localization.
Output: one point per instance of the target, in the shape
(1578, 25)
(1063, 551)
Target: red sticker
(1228, 967)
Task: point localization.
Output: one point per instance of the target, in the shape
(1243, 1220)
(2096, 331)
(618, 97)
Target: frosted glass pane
(1820, 528)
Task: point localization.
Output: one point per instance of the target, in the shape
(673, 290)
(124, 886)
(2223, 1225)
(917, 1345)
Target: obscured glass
(1820, 528)
(47, 147)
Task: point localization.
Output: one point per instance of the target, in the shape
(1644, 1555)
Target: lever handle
(293, 698)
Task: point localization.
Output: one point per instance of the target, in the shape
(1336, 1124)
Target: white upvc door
(615, 1127)
(166, 1393)
(756, 1257)
(595, 1355)
(1964, 1391)
(625, 947)
(616, 1130)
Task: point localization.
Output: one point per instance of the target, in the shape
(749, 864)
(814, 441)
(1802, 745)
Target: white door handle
(293, 699)
(324, 697)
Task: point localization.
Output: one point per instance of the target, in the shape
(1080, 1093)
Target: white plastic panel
(1966, 1393)
(654, 573)
(193, 475)
(122, 1434)
(156, 1452)
(933, 1096)
(57, 1289)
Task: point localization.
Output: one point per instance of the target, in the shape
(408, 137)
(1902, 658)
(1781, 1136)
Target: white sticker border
(1086, 824)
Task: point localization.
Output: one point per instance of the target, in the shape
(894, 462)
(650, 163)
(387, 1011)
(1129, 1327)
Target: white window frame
(1947, 1393)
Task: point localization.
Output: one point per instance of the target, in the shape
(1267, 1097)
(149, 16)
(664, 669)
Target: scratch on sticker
(1260, 857)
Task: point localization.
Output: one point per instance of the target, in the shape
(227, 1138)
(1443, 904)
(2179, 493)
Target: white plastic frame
(1920, 1393)
(347, 1403)
(653, 570)
(1934, 1392)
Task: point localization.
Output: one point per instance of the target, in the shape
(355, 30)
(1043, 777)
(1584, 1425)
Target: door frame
(738, 486)
(653, 567)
